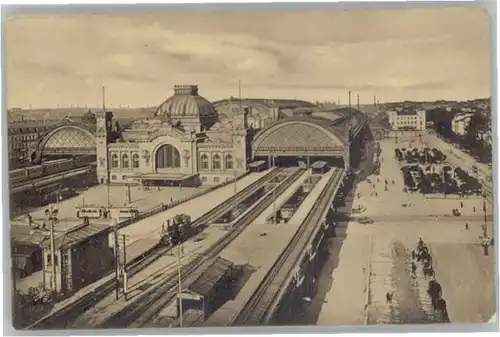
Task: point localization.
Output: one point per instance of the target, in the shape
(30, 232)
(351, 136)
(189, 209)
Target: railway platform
(151, 227)
(258, 252)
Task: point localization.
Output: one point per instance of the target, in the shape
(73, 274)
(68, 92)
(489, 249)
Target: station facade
(184, 143)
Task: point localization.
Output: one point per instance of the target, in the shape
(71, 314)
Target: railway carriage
(17, 176)
(319, 167)
(34, 172)
(48, 168)
(56, 166)
(83, 160)
(257, 166)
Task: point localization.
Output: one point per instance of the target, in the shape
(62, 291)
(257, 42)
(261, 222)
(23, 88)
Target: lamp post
(52, 218)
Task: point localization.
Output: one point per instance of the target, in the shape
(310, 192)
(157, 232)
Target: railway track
(146, 308)
(259, 307)
(67, 314)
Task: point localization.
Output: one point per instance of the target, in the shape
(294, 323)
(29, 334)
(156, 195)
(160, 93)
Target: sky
(406, 54)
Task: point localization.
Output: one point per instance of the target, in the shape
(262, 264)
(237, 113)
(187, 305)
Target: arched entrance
(167, 157)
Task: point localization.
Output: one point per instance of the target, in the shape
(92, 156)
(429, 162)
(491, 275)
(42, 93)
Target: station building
(190, 141)
(184, 143)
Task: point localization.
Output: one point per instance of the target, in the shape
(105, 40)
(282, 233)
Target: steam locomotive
(178, 230)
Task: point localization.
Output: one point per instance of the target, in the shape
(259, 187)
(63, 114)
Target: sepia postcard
(250, 168)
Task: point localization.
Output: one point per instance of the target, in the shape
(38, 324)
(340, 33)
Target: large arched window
(216, 162)
(135, 160)
(168, 156)
(114, 161)
(125, 161)
(228, 162)
(204, 162)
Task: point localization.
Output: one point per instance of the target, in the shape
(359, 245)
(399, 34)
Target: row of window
(216, 162)
(125, 161)
(19, 146)
(27, 130)
(23, 138)
(410, 122)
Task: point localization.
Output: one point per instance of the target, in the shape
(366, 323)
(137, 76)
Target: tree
(383, 119)
(476, 124)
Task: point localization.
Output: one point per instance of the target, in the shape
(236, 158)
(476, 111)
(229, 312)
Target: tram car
(123, 212)
(91, 212)
(47, 168)
(178, 230)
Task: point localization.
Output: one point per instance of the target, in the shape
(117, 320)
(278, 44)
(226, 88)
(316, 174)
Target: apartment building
(407, 119)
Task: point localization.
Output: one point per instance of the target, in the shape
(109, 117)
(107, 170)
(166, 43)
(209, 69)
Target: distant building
(405, 119)
(460, 122)
(23, 137)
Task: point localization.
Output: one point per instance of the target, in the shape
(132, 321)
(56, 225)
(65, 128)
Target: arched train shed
(338, 137)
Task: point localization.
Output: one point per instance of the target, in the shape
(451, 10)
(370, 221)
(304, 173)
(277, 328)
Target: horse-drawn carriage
(434, 290)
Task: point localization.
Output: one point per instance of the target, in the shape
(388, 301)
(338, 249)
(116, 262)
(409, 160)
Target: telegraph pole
(117, 259)
(53, 248)
(357, 97)
(180, 283)
(125, 276)
(234, 164)
(485, 228)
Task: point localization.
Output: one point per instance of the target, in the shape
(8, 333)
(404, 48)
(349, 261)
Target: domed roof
(186, 103)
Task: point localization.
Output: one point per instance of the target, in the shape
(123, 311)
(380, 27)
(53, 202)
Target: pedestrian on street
(474, 209)
(466, 226)
(388, 297)
(461, 204)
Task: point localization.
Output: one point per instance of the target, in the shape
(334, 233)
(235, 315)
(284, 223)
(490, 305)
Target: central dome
(186, 103)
